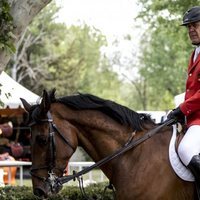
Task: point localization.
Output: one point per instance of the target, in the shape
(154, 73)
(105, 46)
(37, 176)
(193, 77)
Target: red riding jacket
(191, 106)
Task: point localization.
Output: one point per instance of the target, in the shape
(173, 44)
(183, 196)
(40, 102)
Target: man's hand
(177, 115)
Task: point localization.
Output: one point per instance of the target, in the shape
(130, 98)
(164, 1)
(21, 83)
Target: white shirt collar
(196, 53)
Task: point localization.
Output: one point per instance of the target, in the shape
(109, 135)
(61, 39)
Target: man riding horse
(189, 147)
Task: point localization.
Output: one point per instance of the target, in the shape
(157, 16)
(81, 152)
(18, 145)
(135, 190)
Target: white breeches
(190, 144)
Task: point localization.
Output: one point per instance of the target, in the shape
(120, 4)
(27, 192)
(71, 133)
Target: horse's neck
(99, 144)
(97, 133)
(100, 135)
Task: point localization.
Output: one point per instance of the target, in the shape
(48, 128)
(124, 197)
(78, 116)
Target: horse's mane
(120, 113)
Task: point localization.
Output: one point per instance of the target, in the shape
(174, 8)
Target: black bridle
(52, 151)
(57, 182)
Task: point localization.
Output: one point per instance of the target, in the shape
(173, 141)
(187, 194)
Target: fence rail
(93, 175)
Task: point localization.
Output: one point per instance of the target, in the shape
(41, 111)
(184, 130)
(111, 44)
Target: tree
(31, 51)
(22, 13)
(78, 52)
(67, 58)
(165, 51)
(50, 54)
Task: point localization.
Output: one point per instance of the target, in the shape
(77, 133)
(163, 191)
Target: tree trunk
(22, 11)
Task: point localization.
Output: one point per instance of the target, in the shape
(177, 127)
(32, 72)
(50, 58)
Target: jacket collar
(191, 64)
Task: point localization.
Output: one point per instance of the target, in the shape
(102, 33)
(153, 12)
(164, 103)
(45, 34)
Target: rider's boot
(194, 166)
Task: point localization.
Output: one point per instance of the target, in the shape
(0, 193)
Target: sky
(114, 18)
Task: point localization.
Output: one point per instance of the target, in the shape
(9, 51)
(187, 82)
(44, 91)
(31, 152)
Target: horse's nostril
(39, 192)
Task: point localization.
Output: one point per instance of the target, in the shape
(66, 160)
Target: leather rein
(57, 182)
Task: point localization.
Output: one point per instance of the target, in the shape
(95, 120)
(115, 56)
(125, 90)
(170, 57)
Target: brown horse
(102, 127)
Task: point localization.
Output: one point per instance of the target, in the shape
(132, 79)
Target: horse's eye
(41, 140)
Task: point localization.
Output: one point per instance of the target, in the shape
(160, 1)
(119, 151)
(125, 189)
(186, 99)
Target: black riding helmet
(191, 15)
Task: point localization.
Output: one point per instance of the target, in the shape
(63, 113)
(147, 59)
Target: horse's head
(52, 144)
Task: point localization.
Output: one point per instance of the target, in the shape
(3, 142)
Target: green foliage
(68, 58)
(165, 51)
(78, 55)
(15, 193)
(33, 56)
(6, 27)
(94, 191)
(163, 66)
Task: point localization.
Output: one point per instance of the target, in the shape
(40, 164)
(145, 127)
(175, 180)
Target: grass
(26, 182)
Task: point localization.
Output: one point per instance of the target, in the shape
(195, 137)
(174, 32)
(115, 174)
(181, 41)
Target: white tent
(178, 99)
(11, 92)
(155, 115)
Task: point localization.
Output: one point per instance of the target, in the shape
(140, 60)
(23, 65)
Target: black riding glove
(177, 115)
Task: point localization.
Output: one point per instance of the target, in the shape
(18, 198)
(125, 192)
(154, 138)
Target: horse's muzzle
(39, 192)
(48, 188)
(53, 182)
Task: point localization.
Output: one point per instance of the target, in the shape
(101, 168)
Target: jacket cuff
(184, 109)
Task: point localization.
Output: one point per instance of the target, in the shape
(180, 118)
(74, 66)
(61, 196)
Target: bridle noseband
(52, 151)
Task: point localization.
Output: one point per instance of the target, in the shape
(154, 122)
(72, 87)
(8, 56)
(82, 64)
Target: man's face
(194, 32)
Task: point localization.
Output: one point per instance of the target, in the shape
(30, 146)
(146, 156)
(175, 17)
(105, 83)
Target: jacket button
(187, 90)
(190, 74)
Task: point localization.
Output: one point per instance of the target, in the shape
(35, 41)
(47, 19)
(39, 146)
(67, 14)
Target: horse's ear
(45, 103)
(26, 105)
(52, 95)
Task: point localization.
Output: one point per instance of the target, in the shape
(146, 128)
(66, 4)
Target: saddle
(179, 168)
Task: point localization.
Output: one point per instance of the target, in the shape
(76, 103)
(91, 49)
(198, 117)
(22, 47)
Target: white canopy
(178, 99)
(155, 115)
(11, 92)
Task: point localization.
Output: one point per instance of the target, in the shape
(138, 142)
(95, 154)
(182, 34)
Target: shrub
(95, 192)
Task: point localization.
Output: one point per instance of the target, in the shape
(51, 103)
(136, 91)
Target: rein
(125, 148)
